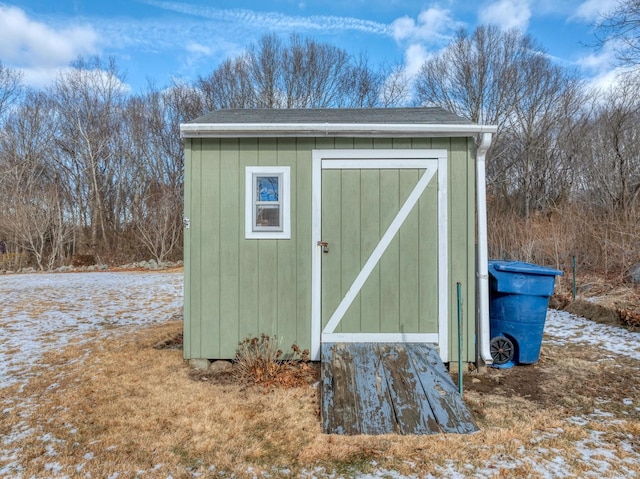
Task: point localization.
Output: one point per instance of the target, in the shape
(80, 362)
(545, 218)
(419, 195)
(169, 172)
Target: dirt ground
(128, 405)
(577, 378)
(574, 375)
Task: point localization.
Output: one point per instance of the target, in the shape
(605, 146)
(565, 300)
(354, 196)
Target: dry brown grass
(261, 361)
(604, 243)
(130, 407)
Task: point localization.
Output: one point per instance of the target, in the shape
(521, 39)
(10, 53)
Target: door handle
(325, 246)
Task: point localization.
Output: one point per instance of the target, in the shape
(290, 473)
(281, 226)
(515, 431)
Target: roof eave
(226, 130)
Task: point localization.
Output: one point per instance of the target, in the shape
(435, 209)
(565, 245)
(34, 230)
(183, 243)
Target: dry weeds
(134, 410)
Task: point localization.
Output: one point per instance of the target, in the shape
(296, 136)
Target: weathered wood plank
(370, 388)
(339, 415)
(373, 404)
(442, 394)
(411, 407)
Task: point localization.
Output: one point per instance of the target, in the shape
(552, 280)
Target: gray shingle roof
(336, 122)
(433, 115)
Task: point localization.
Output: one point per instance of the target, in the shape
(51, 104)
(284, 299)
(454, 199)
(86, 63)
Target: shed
(334, 225)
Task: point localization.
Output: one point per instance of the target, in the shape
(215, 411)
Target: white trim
(250, 231)
(316, 259)
(443, 259)
(382, 154)
(382, 246)
(328, 159)
(484, 334)
(380, 338)
(374, 164)
(369, 130)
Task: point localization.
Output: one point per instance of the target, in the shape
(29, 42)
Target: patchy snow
(563, 327)
(44, 312)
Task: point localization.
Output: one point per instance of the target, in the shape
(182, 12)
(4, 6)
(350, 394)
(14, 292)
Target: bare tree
(157, 166)
(504, 78)
(476, 76)
(10, 85)
(611, 166)
(396, 88)
(300, 74)
(228, 86)
(32, 204)
(89, 100)
(620, 26)
(158, 219)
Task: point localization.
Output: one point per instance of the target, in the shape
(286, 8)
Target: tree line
(88, 168)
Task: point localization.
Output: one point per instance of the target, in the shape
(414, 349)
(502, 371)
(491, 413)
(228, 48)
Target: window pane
(267, 215)
(267, 187)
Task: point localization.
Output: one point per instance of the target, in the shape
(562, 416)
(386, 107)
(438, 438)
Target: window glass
(267, 188)
(267, 216)
(267, 202)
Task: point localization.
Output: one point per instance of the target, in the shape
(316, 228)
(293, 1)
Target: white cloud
(605, 81)
(274, 21)
(432, 30)
(600, 61)
(592, 10)
(37, 50)
(506, 14)
(433, 26)
(403, 28)
(31, 44)
(414, 57)
(598, 68)
(196, 52)
(198, 49)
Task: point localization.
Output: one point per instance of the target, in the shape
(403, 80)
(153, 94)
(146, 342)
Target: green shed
(334, 225)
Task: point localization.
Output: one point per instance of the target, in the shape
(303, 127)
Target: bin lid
(521, 267)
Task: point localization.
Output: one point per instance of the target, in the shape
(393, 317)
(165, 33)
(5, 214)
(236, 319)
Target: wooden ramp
(374, 388)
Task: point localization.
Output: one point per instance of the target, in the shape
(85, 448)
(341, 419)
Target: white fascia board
(225, 130)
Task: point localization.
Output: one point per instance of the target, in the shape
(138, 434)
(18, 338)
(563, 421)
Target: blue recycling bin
(518, 300)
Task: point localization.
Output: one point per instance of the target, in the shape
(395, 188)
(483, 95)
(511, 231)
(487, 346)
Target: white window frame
(253, 231)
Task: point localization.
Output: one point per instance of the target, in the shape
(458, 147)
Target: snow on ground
(42, 312)
(563, 327)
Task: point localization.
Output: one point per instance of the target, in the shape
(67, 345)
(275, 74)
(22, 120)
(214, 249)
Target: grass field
(96, 397)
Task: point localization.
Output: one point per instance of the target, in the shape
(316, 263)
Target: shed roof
(359, 122)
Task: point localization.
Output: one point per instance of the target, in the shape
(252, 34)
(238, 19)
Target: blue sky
(158, 40)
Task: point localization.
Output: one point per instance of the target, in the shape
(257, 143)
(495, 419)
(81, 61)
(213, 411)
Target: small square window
(267, 202)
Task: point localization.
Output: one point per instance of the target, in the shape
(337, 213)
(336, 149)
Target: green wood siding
(237, 288)
(461, 242)
(358, 207)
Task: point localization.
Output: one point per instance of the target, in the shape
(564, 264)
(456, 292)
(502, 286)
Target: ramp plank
(370, 388)
(446, 404)
(339, 415)
(375, 412)
(407, 397)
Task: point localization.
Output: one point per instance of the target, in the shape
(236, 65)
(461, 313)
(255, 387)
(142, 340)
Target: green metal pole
(574, 279)
(459, 290)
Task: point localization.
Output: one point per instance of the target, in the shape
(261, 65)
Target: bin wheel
(502, 350)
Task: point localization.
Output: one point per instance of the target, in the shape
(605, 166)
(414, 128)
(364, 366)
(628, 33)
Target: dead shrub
(629, 318)
(260, 361)
(80, 260)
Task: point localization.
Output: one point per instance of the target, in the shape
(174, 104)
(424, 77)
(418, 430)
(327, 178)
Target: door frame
(380, 159)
